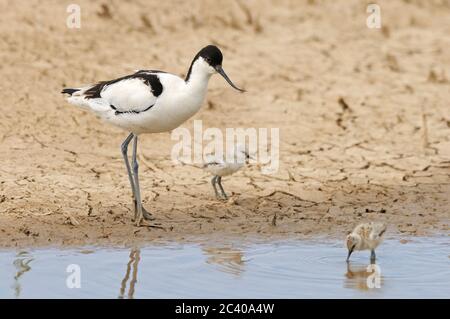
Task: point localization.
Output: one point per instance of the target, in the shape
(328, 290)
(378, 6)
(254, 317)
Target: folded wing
(133, 93)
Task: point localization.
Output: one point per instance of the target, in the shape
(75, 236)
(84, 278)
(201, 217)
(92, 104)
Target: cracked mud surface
(364, 120)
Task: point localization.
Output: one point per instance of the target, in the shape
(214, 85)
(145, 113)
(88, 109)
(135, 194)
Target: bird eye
(208, 60)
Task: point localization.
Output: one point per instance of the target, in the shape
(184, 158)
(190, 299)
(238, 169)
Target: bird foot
(222, 197)
(146, 215)
(138, 223)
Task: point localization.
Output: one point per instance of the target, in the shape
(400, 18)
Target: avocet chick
(220, 166)
(364, 237)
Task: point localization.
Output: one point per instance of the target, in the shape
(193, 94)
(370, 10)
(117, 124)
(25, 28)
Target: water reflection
(22, 265)
(281, 269)
(229, 258)
(132, 266)
(363, 277)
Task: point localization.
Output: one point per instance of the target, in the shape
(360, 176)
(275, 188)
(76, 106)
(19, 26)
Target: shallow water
(284, 269)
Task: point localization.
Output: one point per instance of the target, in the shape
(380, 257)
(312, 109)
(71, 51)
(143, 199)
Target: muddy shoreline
(363, 117)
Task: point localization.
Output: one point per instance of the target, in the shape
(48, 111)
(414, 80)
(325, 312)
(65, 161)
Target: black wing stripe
(130, 112)
(210, 164)
(69, 91)
(149, 79)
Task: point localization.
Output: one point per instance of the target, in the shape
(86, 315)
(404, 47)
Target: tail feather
(77, 97)
(69, 91)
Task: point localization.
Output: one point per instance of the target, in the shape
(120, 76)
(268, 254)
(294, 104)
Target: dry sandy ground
(363, 113)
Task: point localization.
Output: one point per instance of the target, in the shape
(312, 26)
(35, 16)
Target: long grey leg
(213, 182)
(124, 149)
(219, 181)
(138, 215)
(372, 255)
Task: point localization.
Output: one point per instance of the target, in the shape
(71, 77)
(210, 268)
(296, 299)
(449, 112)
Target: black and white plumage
(220, 166)
(140, 88)
(150, 101)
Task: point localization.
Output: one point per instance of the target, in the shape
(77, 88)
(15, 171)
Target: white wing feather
(129, 95)
(125, 95)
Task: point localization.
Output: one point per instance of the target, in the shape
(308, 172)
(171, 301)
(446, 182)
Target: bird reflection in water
(228, 258)
(22, 264)
(363, 277)
(132, 267)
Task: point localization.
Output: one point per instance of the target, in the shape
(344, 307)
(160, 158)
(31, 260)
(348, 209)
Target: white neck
(199, 77)
(190, 99)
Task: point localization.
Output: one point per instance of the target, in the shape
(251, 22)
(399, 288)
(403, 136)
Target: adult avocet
(150, 101)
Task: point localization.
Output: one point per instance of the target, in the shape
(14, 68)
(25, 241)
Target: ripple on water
(289, 269)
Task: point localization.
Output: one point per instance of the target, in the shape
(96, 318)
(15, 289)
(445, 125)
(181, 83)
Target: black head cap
(212, 55)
